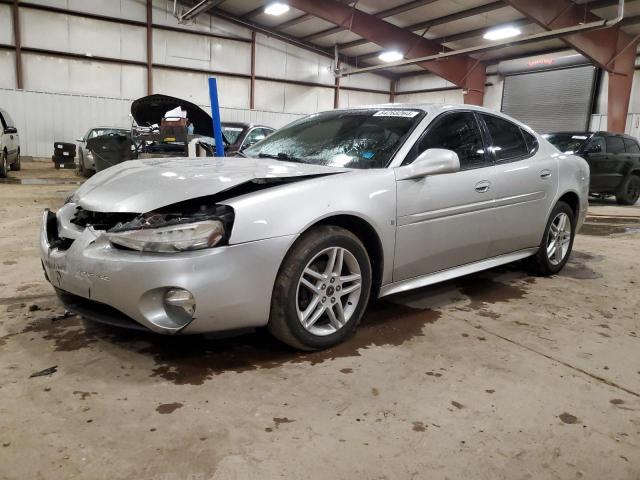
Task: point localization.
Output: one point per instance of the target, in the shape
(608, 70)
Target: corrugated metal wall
(43, 118)
(63, 97)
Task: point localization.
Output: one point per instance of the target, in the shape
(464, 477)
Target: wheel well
(571, 199)
(369, 238)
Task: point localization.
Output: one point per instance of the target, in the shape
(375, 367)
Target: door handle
(483, 186)
(545, 174)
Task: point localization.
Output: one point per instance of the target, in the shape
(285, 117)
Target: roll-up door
(551, 100)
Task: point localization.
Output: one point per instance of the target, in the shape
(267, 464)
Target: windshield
(351, 139)
(231, 134)
(567, 142)
(99, 132)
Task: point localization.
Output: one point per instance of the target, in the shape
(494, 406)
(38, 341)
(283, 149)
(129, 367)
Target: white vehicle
(9, 145)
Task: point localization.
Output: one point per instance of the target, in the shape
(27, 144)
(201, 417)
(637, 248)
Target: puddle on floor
(193, 359)
(605, 230)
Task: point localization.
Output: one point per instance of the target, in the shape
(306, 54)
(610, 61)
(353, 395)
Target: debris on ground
(34, 308)
(66, 314)
(45, 372)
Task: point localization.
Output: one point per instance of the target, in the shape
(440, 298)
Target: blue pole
(215, 115)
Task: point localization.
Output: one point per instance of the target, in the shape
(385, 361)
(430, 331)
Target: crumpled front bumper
(232, 285)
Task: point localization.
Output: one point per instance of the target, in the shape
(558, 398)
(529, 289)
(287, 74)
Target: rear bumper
(231, 285)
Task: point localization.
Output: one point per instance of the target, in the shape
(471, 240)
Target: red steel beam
(463, 71)
(18, 43)
(610, 49)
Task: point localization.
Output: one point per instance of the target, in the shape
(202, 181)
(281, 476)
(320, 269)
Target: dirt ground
(496, 376)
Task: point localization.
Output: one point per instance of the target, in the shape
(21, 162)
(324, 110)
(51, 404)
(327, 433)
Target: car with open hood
(325, 214)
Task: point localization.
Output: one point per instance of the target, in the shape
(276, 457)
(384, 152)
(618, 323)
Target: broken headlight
(168, 232)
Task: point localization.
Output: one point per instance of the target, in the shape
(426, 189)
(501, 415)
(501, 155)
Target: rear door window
(507, 140)
(2, 122)
(615, 145)
(532, 142)
(631, 146)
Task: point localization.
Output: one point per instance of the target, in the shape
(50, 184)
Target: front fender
(292, 208)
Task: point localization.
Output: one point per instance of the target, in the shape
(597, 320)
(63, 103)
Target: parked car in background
(614, 161)
(86, 163)
(324, 214)
(241, 135)
(9, 144)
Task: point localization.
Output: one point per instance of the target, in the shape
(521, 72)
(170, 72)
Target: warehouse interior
(498, 374)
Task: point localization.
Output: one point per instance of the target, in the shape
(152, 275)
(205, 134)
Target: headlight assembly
(194, 228)
(174, 238)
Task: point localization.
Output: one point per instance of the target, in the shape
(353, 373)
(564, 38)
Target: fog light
(178, 297)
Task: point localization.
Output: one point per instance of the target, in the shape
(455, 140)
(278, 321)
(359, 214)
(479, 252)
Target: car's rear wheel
(322, 289)
(15, 166)
(629, 191)
(4, 166)
(557, 241)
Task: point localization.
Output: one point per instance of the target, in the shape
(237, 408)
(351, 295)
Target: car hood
(139, 186)
(151, 109)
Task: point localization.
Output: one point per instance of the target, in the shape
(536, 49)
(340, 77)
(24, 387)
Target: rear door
(446, 220)
(526, 182)
(606, 170)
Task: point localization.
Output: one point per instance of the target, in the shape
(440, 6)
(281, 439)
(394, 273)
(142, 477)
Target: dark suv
(614, 160)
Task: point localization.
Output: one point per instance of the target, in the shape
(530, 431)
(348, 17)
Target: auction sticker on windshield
(396, 113)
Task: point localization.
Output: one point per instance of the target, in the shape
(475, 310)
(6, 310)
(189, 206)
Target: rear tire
(629, 191)
(557, 242)
(15, 166)
(322, 289)
(82, 170)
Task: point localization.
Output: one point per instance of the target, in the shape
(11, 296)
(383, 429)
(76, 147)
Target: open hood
(138, 186)
(150, 109)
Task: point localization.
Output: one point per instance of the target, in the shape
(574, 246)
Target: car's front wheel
(322, 289)
(629, 191)
(557, 241)
(4, 165)
(15, 166)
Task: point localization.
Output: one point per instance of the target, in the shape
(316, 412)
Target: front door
(444, 221)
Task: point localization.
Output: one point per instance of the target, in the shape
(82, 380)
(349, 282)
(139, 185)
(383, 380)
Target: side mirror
(80, 140)
(593, 149)
(434, 161)
(10, 130)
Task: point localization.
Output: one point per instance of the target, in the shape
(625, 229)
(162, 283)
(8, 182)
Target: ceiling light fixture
(276, 9)
(501, 33)
(390, 56)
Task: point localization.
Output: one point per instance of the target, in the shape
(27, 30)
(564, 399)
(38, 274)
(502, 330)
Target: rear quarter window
(631, 146)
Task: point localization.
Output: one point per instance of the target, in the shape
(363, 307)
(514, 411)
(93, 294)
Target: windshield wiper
(281, 156)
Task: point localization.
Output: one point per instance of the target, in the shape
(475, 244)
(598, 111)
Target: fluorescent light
(276, 9)
(501, 33)
(390, 56)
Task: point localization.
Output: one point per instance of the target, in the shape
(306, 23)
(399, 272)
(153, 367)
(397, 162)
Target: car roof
(245, 125)
(435, 109)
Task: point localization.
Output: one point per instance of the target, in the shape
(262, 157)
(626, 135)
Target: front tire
(4, 165)
(629, 191)
(557, 241)
(322, 289)
(16, 166)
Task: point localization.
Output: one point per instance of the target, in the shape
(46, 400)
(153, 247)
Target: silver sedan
(326, 213)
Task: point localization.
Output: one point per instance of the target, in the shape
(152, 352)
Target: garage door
(553, 100)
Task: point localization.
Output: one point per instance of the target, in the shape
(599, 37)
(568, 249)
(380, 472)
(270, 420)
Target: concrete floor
(500, 375)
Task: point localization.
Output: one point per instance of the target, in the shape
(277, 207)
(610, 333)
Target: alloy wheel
(559, 238)
(328, 291)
